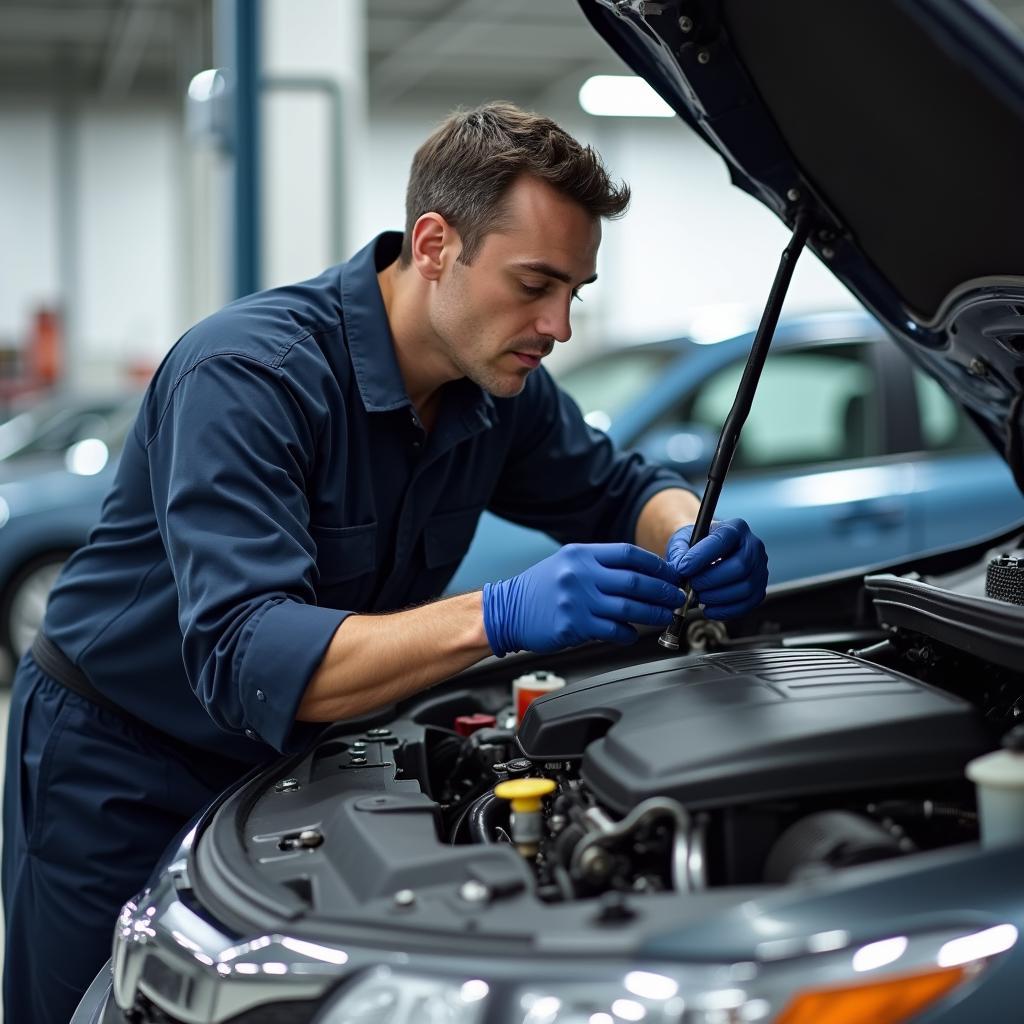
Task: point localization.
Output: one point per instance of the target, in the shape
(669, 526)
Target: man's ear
(435, 245)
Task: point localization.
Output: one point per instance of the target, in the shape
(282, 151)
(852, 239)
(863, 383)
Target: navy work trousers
(90, 802)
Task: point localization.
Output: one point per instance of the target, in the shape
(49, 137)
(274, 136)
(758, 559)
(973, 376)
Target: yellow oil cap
(525, 794)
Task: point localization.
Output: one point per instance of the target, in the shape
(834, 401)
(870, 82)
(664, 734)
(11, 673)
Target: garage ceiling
(101, 48)
(449, 48)
(466, 49)
(453, 50)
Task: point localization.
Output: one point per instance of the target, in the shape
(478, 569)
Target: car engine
(721, 769)
(832, 730)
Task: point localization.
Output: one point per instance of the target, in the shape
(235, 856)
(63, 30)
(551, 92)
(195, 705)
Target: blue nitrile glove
(735, 583)
(582, 592)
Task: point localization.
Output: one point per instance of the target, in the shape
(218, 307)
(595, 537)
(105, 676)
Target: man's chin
(511, 388)
(504, 385)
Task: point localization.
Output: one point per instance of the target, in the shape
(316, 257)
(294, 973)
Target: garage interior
(134, 202)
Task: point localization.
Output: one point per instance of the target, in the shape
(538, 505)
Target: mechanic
(304, 476)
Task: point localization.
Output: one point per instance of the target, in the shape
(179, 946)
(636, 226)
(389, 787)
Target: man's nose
(555, 322)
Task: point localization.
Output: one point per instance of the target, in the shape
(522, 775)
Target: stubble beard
(486, 375)
(473, 362)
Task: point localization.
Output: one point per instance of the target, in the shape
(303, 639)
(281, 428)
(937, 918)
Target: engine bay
(658, 783)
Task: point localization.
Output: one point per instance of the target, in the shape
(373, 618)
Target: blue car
(850, 454)
(57, 462)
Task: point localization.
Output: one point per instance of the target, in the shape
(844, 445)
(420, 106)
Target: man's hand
(582, 592)
(728, 569)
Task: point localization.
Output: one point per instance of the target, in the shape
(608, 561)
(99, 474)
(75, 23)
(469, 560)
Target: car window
(50, 429)
(812, 406)
(603, 387)
(65, 429)
(944, 425)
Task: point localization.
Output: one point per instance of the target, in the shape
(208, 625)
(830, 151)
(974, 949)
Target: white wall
(694, 251)
(127, 178)
(316, 40)
(28, 216)
(130, 234)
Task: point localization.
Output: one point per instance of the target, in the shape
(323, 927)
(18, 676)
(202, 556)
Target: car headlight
(885, 982)
(387, 997)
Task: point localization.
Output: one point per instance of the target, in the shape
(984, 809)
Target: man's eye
(533, 290)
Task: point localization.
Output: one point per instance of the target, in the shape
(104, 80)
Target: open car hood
(899, 126)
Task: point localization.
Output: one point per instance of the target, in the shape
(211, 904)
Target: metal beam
(237, 49)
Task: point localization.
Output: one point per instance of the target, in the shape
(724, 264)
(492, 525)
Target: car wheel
(24, 603)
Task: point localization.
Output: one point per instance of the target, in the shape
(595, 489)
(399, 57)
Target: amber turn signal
(892, 1001)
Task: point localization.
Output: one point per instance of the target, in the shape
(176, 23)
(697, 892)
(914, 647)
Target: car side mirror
(685, 447)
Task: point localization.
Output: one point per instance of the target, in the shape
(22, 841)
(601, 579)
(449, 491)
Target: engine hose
(472, 796)
(482, 817)
(687, 870)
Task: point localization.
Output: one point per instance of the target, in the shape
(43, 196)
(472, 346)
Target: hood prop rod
(730, 436)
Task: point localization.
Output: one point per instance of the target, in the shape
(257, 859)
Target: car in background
(57, 461)
(46, 428)
(850, 454)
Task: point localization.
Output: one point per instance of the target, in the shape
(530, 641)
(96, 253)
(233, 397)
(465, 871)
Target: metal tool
(730, 436)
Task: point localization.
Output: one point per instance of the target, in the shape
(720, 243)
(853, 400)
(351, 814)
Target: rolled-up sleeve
(566, 478)
(230, 455)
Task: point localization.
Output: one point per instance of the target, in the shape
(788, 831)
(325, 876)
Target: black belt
(56, 664)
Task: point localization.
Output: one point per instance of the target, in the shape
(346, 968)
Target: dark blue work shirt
(278, 479)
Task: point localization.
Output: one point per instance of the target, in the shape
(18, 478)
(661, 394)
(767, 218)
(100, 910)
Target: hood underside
(899, 126)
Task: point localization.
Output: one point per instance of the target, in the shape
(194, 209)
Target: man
(306, 462)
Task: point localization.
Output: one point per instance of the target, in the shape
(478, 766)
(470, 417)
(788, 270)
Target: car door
(962, 488)
(812, 474)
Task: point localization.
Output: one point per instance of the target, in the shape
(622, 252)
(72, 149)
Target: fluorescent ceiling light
(621, 96)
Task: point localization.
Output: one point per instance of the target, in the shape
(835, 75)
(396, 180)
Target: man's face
(496, 318)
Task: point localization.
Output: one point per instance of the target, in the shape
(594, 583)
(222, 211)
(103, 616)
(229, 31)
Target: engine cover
(739, 727)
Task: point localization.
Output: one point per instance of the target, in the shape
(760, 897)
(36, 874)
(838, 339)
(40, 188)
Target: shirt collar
(372, 348)
(370, 344)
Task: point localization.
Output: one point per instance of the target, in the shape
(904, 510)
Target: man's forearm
(662, 516)
(374, 660)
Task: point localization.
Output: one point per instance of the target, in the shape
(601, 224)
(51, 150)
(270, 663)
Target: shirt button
(260, 695)
(252, 735)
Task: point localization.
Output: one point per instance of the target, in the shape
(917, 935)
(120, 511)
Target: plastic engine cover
(740, 727)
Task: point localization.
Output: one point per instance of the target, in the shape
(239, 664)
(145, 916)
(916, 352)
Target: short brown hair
(466, 166)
